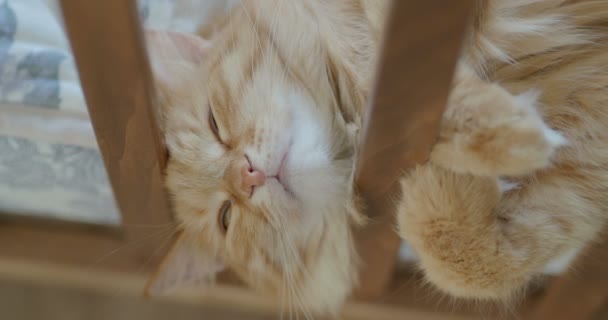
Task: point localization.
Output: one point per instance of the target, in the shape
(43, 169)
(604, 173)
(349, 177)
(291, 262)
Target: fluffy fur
(520, 174)
(518, 177)
(281, 86)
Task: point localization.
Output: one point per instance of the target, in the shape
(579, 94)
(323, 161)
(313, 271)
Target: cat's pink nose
(251, 178)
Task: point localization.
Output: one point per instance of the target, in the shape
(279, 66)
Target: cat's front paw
(491, 132)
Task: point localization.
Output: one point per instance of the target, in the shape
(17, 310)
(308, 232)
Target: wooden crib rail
(106, 38)
(107, 43)
(580, 293)
(421, 45)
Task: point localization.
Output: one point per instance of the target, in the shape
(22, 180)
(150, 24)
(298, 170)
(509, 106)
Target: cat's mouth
(282, 174)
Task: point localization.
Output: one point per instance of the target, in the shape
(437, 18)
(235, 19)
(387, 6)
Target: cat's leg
(488, 131)
(469, 241)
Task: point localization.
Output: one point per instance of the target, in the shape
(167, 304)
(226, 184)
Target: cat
(262, 119)
(260, 122)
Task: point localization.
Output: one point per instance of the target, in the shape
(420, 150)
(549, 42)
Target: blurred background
(57, 203)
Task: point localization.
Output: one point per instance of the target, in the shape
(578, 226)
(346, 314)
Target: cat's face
(259, 170)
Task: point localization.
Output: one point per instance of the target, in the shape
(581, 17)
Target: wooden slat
(86, 246)
(421, 45)
(106, 39)
(580, 293)
(117, 296)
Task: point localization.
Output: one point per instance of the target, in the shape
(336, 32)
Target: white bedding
(57, 175)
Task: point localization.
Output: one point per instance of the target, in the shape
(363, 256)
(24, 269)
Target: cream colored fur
(518, 176)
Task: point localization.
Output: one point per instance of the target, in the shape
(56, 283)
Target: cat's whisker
(294, 298)
(295, 258)
(160, 225)
(273, 29)
(284, 288)
(285, 294)
(291, 247)
(283, 300)
(127, 245)
(288, 286)
(294, 301)
(401, 288)
(289, 58)
(302, 305)
(256, 34)
(162, 245)
(254, 26)
(286, 272)
(272, 23)
(232, 28)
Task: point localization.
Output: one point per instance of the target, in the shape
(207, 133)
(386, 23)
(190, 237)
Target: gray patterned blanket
(37, 72)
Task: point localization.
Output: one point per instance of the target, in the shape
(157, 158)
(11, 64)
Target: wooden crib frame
(399, 130)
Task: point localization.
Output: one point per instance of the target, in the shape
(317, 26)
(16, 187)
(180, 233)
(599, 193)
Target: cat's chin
(280, 187)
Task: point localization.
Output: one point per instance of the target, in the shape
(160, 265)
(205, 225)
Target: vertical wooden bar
(107, 42)
(580, 293)
(421, 45)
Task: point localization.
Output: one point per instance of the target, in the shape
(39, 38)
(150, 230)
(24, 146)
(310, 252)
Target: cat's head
(259, 169)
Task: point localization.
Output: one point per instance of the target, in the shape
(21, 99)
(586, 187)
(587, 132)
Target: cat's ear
(187, 264)
(174, 54)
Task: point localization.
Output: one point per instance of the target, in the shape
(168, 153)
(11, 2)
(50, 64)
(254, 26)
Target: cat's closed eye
(213, 126)
(224, 215)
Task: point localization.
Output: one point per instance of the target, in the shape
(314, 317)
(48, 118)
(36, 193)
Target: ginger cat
(261, 121)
